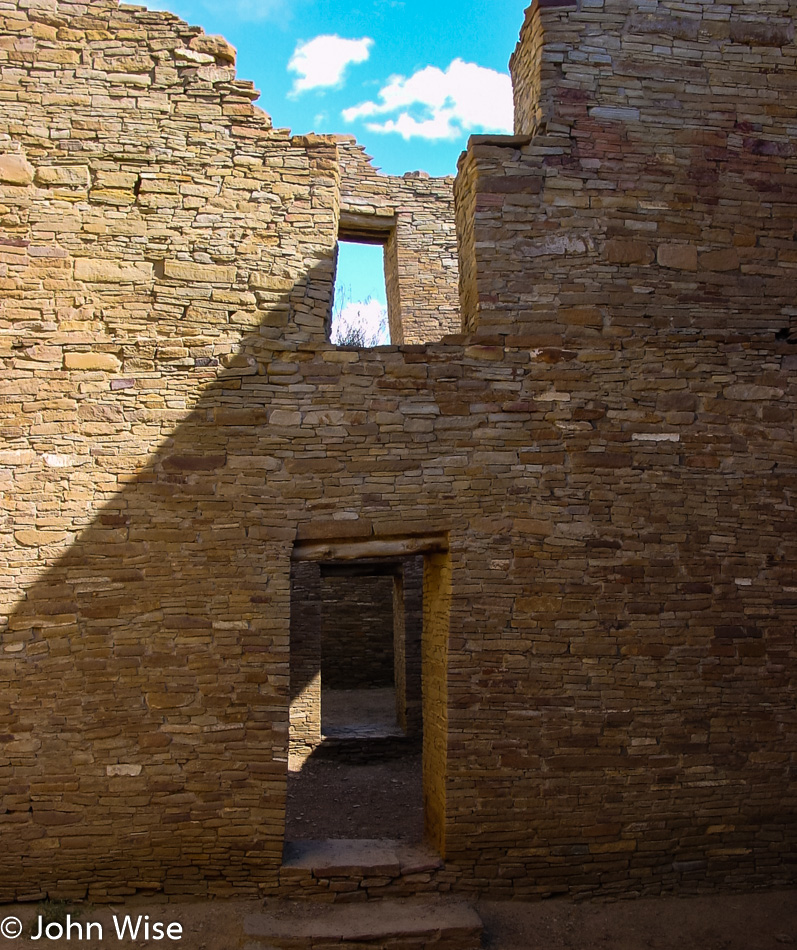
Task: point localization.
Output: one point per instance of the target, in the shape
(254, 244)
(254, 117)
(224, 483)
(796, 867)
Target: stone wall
(608, 640)
(145, 200)
(408, 629)
(413, 216)
(357, 632)
(306, 624)
(652, 182)
(615, 696)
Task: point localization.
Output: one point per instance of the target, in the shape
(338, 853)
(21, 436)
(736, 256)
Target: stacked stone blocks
(607, 451)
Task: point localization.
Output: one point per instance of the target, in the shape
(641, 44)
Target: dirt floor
(330, 798)
(340, 795)
(758, 921)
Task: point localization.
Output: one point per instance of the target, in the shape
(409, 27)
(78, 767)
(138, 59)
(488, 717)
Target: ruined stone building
(584, 433)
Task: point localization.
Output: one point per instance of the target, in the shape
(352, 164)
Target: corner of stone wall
(500, 170)
(642, 131)
(536, 63)
(492, 174)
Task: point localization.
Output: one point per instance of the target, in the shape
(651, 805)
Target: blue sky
(411, 79)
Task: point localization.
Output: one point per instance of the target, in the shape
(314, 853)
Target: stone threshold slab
(360, 857)
(362, 730)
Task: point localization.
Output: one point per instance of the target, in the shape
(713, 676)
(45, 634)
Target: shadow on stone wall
(146, 672)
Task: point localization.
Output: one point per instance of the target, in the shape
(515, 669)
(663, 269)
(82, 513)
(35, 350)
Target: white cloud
(437, 104)
(361, 323)
(321, 62)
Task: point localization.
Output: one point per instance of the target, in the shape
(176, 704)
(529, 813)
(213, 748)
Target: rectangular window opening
(359, 308)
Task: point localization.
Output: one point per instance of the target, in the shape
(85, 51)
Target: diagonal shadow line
(145, 673)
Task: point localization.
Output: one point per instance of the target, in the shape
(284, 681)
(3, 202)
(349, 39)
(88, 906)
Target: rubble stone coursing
(608, 522)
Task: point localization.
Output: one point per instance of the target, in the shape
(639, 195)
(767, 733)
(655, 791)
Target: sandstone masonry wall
(145, 199)
(357, 632)
(304, 725)
(408, 619)
(608, 645)
(617, 694)
(652, 182)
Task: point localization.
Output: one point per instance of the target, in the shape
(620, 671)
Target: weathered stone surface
(36, 537)
(200, 273)
(628, 252)
(753, 393)
(722, 260)
(773, 31)
(677, 256)
(123, 769)
(15, 169)
(270, 282)
(67, 176)
(194, 463)
(215, 46)
(194, 57)
(113, 272)
(391, 923)
(106, 362)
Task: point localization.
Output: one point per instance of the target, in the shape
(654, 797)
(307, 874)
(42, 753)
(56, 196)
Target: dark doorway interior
(356, 766)
(358, 682)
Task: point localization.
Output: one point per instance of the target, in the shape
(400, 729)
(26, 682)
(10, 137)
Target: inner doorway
(367, 714)
(371, 622)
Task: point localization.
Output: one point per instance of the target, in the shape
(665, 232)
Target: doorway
(369, 636)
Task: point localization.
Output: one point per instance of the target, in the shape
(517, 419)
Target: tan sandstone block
(215, 74)
(129, 769)
(770, 32)
(610, 847)
(677, 256)
(106, 362)
(64, 57)
(67, 176)
(15, 170)
(751, 393)
(727, 259)
(193, 57)
(619, 251)
(215, 46)
(269, 282)
(33, 538)
(200, 273)
(112, 272)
